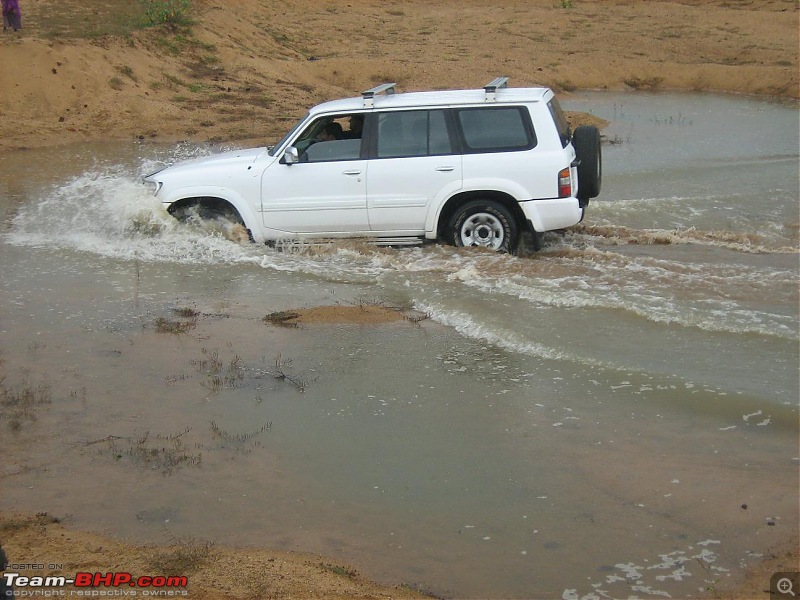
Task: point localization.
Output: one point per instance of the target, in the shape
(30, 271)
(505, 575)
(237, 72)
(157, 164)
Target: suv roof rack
(369, 95)
(492, 87)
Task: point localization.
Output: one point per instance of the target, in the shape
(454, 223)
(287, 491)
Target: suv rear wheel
(483, 223)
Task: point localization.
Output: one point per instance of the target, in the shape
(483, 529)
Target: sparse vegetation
(565, 85)
(127, 72)
(239, 442)
(186, 312)
(339, 570)
(165, 325)
(21, 404)
(167, 12)
(184, 555)
(283, 318)
(14, 523)
(218, 378)
(644, 83)
(76, 19)
(186, 321)
(164, 453)
(93, 20)
(282, 368)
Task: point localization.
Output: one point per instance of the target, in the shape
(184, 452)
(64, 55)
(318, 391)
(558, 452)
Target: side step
(294, 244)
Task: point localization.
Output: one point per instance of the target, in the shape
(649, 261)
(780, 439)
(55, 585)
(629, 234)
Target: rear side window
(560, 119)
(496, 129)
(412, 133)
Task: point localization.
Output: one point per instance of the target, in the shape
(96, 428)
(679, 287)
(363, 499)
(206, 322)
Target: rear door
(501, 149)
(412, 168)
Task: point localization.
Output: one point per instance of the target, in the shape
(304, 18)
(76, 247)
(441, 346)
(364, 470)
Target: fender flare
(239, 204)
(507, 194)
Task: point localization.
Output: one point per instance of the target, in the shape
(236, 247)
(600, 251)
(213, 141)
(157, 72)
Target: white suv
(469, 167)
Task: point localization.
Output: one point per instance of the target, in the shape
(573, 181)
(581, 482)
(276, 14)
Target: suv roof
(383, 96)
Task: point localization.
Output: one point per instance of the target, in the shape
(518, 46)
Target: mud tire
(483, 223)
(586, 140)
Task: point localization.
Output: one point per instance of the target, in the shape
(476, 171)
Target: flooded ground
(615, 416)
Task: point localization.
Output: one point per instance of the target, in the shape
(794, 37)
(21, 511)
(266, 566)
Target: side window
(331, 138)
(412, 133)
(496, 129)
(560, 119)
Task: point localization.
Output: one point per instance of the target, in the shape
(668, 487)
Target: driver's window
(331, 138)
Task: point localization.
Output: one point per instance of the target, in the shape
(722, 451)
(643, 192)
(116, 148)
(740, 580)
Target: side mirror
(291, 156)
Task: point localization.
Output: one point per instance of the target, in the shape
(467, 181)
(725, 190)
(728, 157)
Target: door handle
(351, 172)
(445, 169)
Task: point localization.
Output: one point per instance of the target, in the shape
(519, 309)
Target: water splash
(109, 213)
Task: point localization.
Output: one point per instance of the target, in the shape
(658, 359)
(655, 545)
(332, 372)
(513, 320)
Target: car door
(412, 168)
(324, 192)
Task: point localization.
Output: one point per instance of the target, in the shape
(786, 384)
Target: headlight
(155, 186)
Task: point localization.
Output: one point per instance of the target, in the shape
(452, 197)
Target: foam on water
(507, 339)
(733, 240)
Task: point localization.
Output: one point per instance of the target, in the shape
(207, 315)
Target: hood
(228, 159)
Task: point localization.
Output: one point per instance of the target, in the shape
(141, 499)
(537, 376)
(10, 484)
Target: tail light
(564, 184)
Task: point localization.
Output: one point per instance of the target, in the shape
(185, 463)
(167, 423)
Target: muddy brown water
(582, 422)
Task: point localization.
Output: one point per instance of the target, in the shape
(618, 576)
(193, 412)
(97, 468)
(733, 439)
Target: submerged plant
(164, 325)
(164, 453)
(22, 404)
(282, 368)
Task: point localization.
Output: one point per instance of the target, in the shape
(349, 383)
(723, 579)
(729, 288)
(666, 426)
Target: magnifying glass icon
(784, 586)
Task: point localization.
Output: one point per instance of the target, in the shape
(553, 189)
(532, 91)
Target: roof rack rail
(492, 87)
(369, 95)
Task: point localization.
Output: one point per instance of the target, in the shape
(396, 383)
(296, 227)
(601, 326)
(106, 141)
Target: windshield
(272, 149)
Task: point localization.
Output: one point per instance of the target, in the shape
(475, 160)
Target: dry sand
(249, 69)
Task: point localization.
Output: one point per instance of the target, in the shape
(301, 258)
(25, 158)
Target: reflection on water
(585, 420)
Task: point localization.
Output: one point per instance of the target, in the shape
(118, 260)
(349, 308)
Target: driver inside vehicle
(332, 131)
(356, 128)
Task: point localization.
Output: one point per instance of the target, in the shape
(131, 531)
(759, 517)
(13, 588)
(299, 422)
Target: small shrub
(167, 12)
(127, 72)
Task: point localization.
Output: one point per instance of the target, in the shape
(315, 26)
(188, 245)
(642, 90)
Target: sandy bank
(247, 70)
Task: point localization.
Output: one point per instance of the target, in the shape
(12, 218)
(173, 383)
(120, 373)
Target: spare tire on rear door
(586, 141)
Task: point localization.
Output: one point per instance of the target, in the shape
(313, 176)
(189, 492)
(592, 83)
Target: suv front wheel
(483, 223)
